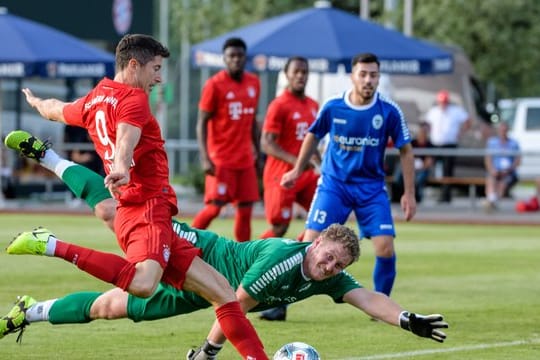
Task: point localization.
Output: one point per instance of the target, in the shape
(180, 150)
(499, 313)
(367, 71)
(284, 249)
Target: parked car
(523, 118)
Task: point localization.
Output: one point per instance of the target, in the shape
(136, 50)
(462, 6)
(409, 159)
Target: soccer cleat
(27, 144)
(279, 313)
(30, 242)
(15, 320)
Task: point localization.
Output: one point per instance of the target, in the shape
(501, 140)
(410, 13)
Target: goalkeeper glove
(424, 325)
(205, 352)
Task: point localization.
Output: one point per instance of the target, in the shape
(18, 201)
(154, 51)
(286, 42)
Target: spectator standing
(228, 137)
(287, 121)
(501, 162)
(359, 123)
(448, 122)
(423, 164)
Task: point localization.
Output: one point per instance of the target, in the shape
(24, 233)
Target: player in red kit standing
(117, 116)
(227, 134)
(287, 121)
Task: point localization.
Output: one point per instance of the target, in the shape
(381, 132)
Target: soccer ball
(296, 351)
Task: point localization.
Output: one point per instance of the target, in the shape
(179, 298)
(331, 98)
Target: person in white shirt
(448, 122)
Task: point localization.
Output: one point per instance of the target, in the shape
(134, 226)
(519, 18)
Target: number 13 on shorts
(319, 216)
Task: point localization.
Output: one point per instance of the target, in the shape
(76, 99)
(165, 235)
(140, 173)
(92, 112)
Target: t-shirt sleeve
(207, 101)
(73, 113)
(462, 115)
(342, 284)
(274, 119)
(321, 125)
(399, 129)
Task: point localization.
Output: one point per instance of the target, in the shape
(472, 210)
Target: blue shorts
(334, 201)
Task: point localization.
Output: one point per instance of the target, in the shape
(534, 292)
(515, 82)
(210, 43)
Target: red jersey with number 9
(100, 111)
(233, 106)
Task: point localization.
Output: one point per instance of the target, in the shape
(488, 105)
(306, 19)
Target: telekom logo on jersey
(236, 110)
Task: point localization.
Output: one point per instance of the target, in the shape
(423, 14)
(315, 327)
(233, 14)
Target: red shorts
(232, 185)
(278, 201)
(144, 231)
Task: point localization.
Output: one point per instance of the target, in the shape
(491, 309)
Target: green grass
(484, 279)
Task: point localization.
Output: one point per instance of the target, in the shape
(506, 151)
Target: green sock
(86, 184)
(73, 308)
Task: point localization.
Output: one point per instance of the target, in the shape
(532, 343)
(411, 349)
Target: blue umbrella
(30, 49)
(328, 38)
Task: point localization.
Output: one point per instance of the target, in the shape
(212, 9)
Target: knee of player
(106, 211)
(111, 305)
(143, 290)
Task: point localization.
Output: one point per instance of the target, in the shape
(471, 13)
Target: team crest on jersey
(377, 121)
(166, 253)
(229, 96)
(222, 189)
(296, 115)
(251, 92)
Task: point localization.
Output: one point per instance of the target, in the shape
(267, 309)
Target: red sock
(108, 267)
(242, 223)
(268, 234)
(239, 331)
(205, 216)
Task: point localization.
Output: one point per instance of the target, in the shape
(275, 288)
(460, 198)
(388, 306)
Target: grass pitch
(484, 279)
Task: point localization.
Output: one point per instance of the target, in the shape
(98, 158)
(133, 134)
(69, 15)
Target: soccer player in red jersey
(227, 134)
(127, 137)
(287, 120)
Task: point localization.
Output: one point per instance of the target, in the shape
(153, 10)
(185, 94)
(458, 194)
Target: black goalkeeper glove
(424, 325)
(205, 352)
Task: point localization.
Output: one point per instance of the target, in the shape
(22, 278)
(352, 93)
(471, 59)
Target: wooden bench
(471, 182)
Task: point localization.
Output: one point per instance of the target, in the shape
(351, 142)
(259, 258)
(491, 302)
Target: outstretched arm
(51, 109)
(380, 306)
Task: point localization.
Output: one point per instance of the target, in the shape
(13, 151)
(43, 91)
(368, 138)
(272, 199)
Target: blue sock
(384, 274)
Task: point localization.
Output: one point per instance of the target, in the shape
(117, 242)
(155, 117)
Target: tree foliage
(501, 37)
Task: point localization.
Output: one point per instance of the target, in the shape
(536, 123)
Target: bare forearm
(407, 166)
(52, 109)
(309, 146)
(376, 305)
(127, 138)
(271, 148)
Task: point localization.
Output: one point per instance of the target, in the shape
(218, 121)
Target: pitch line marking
(447, 350)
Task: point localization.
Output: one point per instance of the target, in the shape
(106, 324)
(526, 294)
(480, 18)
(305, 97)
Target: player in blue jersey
(359, 123)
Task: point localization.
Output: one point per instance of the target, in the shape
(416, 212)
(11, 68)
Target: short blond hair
(345, 236)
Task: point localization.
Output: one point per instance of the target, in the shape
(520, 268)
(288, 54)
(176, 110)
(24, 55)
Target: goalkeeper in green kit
(265, 273)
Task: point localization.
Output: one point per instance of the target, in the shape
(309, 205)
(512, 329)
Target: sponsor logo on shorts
(286, 213)
(222, 189)
(386, 226)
